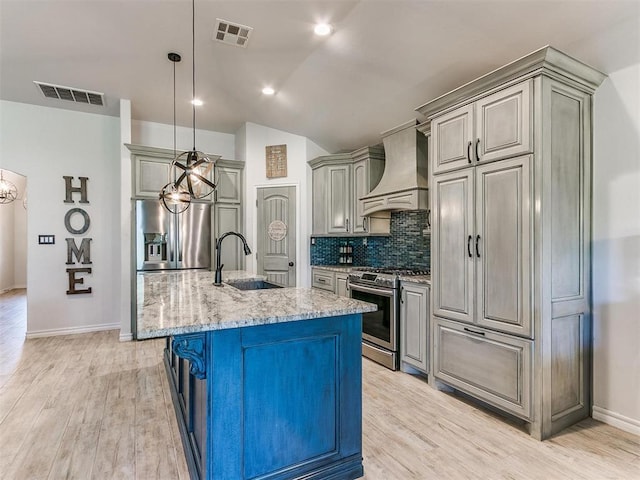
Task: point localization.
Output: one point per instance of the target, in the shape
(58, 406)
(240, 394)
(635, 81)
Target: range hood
(404, 183)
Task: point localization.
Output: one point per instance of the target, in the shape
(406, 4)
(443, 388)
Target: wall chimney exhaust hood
(404, 183)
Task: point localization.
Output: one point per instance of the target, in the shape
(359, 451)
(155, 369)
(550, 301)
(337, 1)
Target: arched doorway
(13, 253)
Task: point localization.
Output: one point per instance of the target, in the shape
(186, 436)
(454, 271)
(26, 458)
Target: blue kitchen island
(266, 383)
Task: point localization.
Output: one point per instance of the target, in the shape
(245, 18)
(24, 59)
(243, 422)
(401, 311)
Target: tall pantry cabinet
(511, 238)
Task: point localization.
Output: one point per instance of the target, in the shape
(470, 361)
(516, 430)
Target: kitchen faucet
(247, 251)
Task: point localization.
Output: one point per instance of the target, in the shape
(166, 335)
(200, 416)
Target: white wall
(44, 144)
(161, 136)
(616, 250)
(253, 139)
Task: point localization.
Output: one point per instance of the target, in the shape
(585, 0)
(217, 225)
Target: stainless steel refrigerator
(165, 241)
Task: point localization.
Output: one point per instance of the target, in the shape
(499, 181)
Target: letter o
(85, 216)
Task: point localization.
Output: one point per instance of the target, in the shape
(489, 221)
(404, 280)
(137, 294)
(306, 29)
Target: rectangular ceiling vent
(232, 33)
(72, 94)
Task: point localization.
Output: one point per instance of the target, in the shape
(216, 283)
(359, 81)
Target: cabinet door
(414, 321)
(502, 246)
(493, 367)
(341, 284)
(150, 176)
(360, 189)
(339, 197)
(452, 258)
(320, 201)
(228, 218)
(503, 123)
(452, 138)
(228, 185)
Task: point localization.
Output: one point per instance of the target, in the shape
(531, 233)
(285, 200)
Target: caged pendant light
(189, 170)
(176, 199)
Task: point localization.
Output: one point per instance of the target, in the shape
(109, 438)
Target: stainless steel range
(380, 329)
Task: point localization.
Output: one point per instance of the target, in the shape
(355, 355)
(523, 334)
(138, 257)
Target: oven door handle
(375, 291)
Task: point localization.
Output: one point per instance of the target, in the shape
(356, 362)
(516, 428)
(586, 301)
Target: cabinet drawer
(490, 366)
(322, 279)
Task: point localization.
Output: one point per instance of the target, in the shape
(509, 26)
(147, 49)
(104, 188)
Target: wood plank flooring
(90, 407)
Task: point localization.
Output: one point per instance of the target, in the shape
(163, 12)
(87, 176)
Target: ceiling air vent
(72, 94)
(232, 33)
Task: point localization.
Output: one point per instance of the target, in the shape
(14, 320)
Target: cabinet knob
(291, 264)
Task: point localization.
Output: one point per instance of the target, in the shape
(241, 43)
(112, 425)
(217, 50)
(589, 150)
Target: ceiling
(384, 58)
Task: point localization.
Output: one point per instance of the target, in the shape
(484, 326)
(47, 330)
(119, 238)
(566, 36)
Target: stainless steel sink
(253, 285)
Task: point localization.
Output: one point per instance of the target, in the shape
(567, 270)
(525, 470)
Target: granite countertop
(425, 279)
(186, 301)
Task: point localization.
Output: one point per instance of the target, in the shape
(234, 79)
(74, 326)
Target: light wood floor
(88, 406)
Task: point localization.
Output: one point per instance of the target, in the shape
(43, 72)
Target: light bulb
(322, 29)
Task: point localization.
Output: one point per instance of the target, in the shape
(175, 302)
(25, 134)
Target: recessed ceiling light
(322, 29)
(197, 102)
(268, 91)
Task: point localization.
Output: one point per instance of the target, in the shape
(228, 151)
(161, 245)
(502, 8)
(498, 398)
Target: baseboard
(616, 420)
(126, 337)
(72, 330)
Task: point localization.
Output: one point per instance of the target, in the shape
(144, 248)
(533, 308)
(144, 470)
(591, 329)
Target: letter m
(82, 254)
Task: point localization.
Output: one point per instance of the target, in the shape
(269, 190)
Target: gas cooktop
(383, 277)
(405, 272)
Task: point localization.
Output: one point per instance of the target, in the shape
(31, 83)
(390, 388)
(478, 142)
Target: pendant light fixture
(8, 190)
(174, 197)
(191, 168)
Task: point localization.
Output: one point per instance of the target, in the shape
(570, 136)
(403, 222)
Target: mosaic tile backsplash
(406, 247)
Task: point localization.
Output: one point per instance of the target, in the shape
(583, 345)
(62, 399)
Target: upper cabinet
(338, 183)
(228, 180)
(493, 127)
(150, 170)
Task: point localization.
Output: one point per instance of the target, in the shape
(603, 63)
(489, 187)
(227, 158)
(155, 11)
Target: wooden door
(276, 227)
(452, 136)
(503, 124)
(503, 246)
(452, 257)
(339, 198)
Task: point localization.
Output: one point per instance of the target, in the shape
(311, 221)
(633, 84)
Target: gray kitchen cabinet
(228, 180)
(495, 126)
(323, 279)
(481, 261)
(228, 211)
(368, 167)
(414, 325)
(511, 238)
(489, 365)
(342, 288)
(339, 195)
(151, 170)
(338, 181)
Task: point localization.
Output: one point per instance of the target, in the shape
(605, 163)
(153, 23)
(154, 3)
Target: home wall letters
(81, 254)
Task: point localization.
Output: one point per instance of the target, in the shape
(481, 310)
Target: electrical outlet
(313, 241)
(364, 241)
